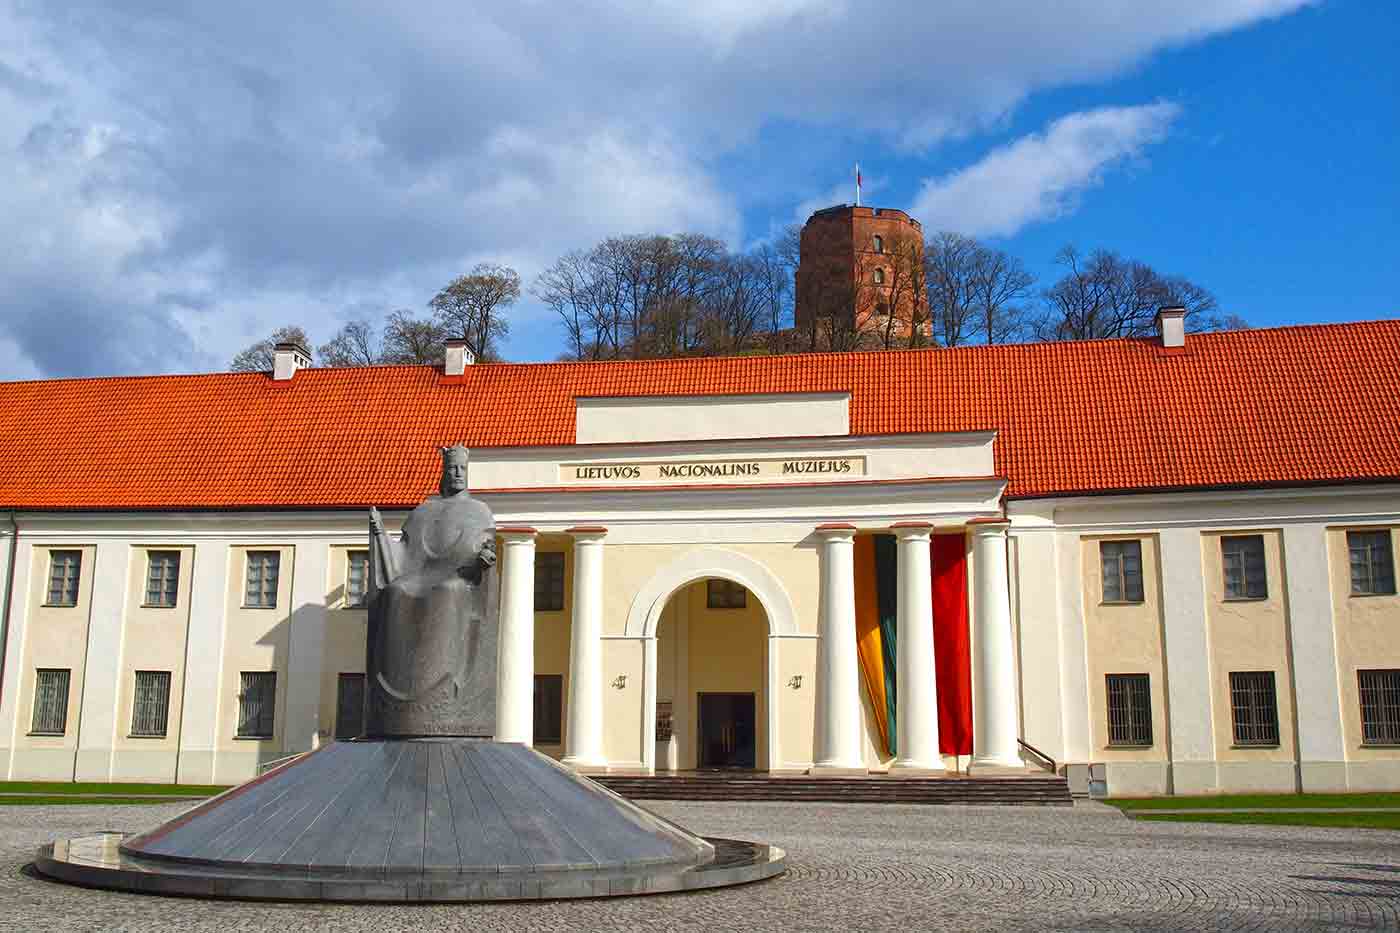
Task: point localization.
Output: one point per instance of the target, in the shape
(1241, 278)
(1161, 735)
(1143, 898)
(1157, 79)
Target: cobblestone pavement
(857, 867)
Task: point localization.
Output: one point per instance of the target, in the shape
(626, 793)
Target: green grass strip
(1256, 801)
(58, 788)
(67, 800)
(1356, 819)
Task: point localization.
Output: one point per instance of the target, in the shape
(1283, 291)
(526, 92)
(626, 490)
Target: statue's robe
(431, 664)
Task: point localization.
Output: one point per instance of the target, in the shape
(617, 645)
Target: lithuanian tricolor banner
(876, 630)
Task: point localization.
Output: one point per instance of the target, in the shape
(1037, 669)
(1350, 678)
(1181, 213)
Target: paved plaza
(853, 866)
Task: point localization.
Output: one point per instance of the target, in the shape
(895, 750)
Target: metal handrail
(1043, 759)
(276, 762)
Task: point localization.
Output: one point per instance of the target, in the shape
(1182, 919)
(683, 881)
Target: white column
(994, 725)
(916, 707)
(838, 687)
(583, 734)
(515, 672)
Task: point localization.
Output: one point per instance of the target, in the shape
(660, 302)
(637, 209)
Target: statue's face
(454, 475)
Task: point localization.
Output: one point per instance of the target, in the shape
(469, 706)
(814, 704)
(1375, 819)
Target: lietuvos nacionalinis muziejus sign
(715, 471)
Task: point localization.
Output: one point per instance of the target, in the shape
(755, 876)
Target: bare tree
(999, 287)
(471, 306)
(1106, 295)
(412, 340)
(355, 344)
(952, 260)
(257, 357)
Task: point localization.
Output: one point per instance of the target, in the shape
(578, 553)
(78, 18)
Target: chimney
(1171, 326)
(287, 358)
(458, 358)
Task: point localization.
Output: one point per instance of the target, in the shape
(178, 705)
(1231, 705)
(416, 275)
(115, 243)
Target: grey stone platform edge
(427, 820)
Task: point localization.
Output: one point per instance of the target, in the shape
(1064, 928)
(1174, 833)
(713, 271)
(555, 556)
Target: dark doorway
(349, 706)
(727, 733)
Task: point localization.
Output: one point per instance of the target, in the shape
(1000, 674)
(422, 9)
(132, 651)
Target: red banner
(952, 655)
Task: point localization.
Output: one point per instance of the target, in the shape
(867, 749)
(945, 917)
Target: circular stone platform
(412, 820)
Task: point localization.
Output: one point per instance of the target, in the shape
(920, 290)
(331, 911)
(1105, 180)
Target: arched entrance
(711, 676)
(768, 614)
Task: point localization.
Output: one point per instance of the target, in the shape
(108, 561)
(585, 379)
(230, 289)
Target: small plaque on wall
(663, 721)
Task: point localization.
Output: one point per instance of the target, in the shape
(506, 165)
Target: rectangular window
(549, 709)
(725, 594)
(1129, 710)
(1372, 564)
(549, 581)
(162, 578)
(50, 702)
(65, 568)
(261, 591)
(349, 706)
(356, 578)
(1122, 571)
(151, 705)
(1254, 707)
(1380, 707)
(257, 704)
(1242, 557)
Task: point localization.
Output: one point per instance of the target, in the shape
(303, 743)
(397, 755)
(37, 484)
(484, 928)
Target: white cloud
(178, 176)
(1040, 177)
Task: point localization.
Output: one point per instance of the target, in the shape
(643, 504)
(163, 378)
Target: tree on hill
(472, 307)
(1104, 294)
(257, 357)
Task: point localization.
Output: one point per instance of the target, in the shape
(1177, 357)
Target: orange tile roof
(1292, 405)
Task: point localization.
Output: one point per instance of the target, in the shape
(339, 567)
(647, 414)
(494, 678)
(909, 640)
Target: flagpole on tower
(857, 184)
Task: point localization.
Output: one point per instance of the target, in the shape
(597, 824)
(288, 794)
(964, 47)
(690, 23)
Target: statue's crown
(455, 452)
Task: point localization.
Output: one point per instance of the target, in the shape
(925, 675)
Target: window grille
(1246, 576)
(549, 581)
(257, 704)
(151, 706)
(263, 567)
(162, 578)
(1372, 563)
(725, 594)
(356, 578)
(65, 570)
(549, 709)
(50, 702)
(1254, 707)
(1122, 571)
(1380, 707)
(1129, 710)
(350, 706)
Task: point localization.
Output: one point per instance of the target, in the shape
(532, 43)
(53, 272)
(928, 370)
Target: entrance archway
(711, 679)
(644, 620)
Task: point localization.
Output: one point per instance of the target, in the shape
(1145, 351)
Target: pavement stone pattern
(864, 867)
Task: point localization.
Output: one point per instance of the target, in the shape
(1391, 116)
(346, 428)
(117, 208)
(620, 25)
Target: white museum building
(1166, 562)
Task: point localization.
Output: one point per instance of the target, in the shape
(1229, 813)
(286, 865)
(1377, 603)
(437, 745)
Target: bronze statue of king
(430, 660)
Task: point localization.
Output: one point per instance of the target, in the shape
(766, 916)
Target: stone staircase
(1031, 789)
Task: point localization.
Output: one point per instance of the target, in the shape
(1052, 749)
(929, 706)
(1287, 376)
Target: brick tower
(855, 265)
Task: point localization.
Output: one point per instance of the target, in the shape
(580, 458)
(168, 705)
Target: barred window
(50, 702)
(1372, 564)
(725, 594)
(1243, 559)
(151, 706)
(261, 591)
(1254, 707)
(162, 578)
(549, 709)
(257, 704)
(356, 578)
(1122, 571)
(349, 706)
(549, 581)
(1129, 710)
(65, 569)
(1380, 707)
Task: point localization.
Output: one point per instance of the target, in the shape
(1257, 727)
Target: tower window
(878, 276)
(879, 244)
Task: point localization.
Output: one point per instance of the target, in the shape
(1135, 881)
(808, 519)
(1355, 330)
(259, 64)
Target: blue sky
(177, 180)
